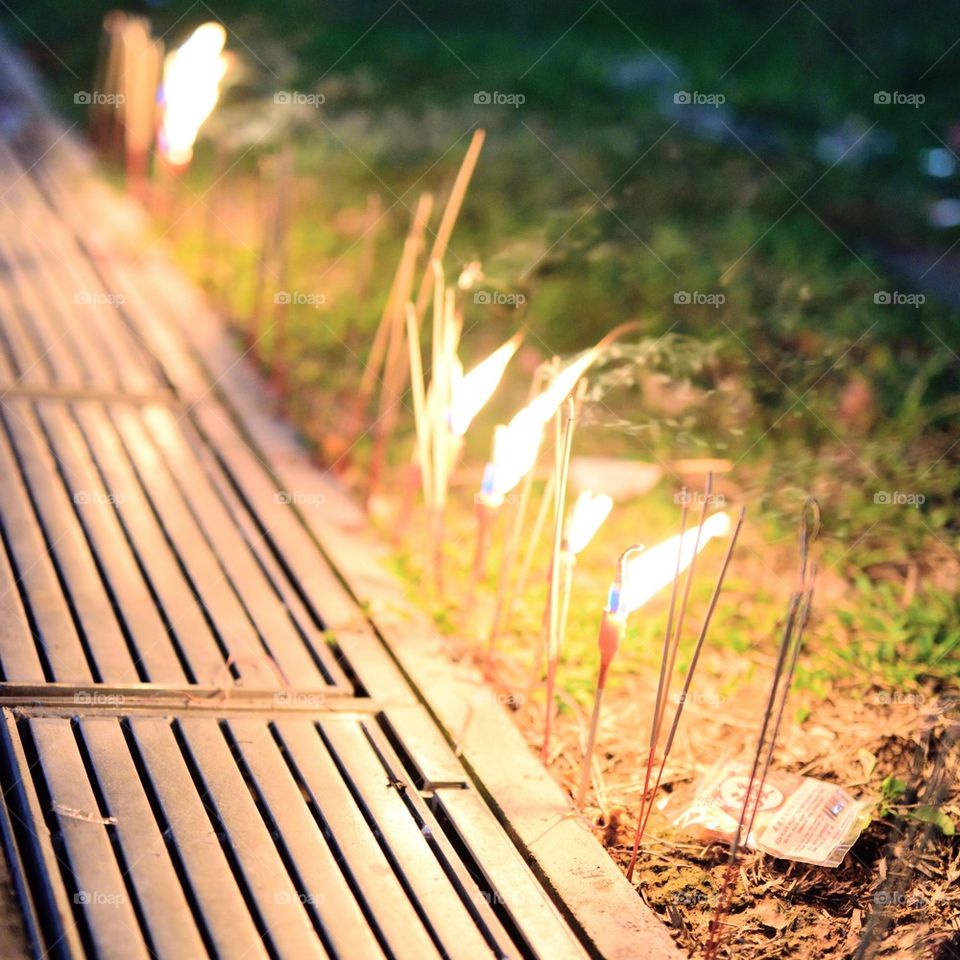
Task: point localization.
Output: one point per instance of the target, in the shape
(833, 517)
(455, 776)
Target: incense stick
(510, 587)
(395, 371)
(713, 933)
(688, 582)
(378, 351)
(450, 214)
(798, 614)
(646, 810)
(444, 347)
(555, 632)
(667, 636)
(536, 381)
(419, 399)
(538, 524)
(613, 625)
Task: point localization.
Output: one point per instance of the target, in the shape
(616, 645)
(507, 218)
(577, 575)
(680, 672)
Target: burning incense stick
(488, 501)
(446, 409)
(613, 625)
(468, 394)
(536, 382)
(191, 87)
(587, 515)
(640, 575)
(508, 588)
(519, 444)
(445, 340)
(538, 524)
(471, 391)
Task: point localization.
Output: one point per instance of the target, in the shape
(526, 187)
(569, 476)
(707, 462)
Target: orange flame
(585, 519)
(645, 574)
(191, 87)
(515, 445)
(471, 391)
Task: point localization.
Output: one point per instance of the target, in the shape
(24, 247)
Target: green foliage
(904, 645)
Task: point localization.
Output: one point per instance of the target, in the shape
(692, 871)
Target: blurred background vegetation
(601, 199)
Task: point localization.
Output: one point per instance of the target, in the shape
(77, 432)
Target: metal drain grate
(137, 562)
(205, 750)
(289, 836)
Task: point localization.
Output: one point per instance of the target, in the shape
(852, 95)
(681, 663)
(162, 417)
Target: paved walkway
(207, 745)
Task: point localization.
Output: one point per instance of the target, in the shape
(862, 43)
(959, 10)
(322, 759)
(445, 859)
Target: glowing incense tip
(645, 574)
(471, 391)
(515, 445)
(190, 89)
(514, 454)
(585, 520)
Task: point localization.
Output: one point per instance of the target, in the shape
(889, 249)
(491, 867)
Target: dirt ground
(896, 892)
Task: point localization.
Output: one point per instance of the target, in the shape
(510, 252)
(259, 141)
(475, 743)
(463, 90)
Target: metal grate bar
(236, 837)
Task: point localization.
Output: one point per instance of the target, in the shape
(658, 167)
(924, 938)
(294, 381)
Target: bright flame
(471, 391)
(585, 519)
(514, 452)
(546, 404)
(191, 86)
(649, 572)
(515, 445)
